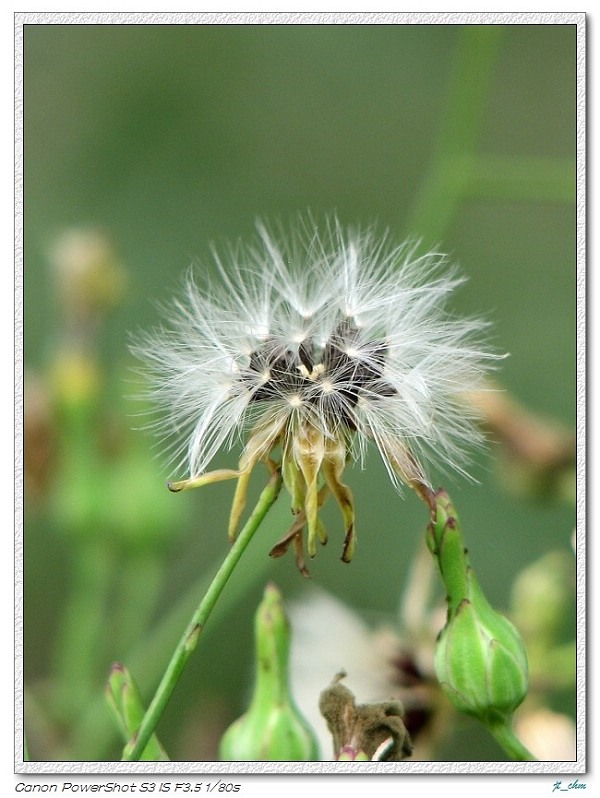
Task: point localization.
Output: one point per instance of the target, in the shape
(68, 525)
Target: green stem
(94, 728)
(447, 183)
(84, 617)
(508, 740)
(189, 640)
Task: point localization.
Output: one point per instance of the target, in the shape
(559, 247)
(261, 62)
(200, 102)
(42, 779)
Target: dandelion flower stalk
(187, 644)
(310, 348)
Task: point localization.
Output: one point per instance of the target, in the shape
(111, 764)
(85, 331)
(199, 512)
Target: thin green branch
(189, 639)
(93, 730)
(508, 740)
(458, 172)
(76, 658)
(443, 189)
(532, 178)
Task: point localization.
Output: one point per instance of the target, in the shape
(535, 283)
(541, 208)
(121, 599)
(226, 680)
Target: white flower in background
(551, 736)
(381, 664)
(329, 637)
(320, 344)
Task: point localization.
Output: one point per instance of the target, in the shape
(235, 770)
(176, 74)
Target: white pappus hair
(337, 329)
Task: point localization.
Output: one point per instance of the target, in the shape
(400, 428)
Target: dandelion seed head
(322, 341)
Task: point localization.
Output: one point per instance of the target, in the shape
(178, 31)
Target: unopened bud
(541, 597)
(89, 275)
(272, 729)
(480, 660)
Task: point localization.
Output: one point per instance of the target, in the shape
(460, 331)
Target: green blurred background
(170, 137)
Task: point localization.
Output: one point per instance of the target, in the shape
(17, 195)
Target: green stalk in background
(458, 172)
(445, 186)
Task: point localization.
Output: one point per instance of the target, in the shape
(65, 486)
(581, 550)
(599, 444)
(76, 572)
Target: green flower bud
(541, 597)
(480, 659)
(272, 729)
(124, 699)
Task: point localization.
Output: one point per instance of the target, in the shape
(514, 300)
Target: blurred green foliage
(169, 137)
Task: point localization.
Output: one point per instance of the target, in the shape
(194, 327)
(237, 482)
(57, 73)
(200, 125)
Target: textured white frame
(159, 772)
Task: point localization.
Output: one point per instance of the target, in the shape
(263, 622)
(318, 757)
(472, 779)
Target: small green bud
(480, 660)
(541, 596)
(272, 729)
(124, 699)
